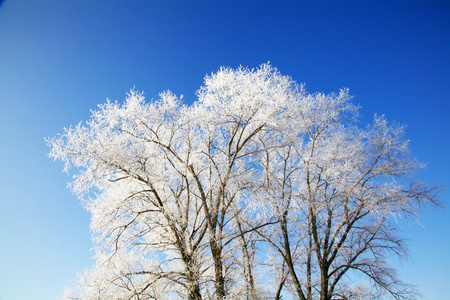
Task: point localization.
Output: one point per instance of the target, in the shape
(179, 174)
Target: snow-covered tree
(193, 201)
(335, 191)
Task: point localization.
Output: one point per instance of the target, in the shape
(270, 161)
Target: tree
(335, 189)
(186, 195)
(146, 203)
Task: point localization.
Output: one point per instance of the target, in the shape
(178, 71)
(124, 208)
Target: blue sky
(59, 59)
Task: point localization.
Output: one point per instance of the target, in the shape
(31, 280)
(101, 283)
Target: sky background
(59, 59)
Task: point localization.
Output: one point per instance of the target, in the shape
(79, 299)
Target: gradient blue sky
(59, 59)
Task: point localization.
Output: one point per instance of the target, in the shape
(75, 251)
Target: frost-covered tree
(170, 179)
(145, 202)
(336, 191)
(197, 201)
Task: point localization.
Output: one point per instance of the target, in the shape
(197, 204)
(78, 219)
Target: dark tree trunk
(194, 293)
(289, 262)
(218, 269)
(324, 283)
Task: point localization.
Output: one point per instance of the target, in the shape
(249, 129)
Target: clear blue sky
(59, 59)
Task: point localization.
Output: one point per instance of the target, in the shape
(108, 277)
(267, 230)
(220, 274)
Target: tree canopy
(257, 190)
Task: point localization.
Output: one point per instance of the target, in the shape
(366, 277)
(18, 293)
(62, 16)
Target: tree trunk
(218, 269)
(324, 283)
(280, 286)
(289, 262)
(194, 293)
(192, 273)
